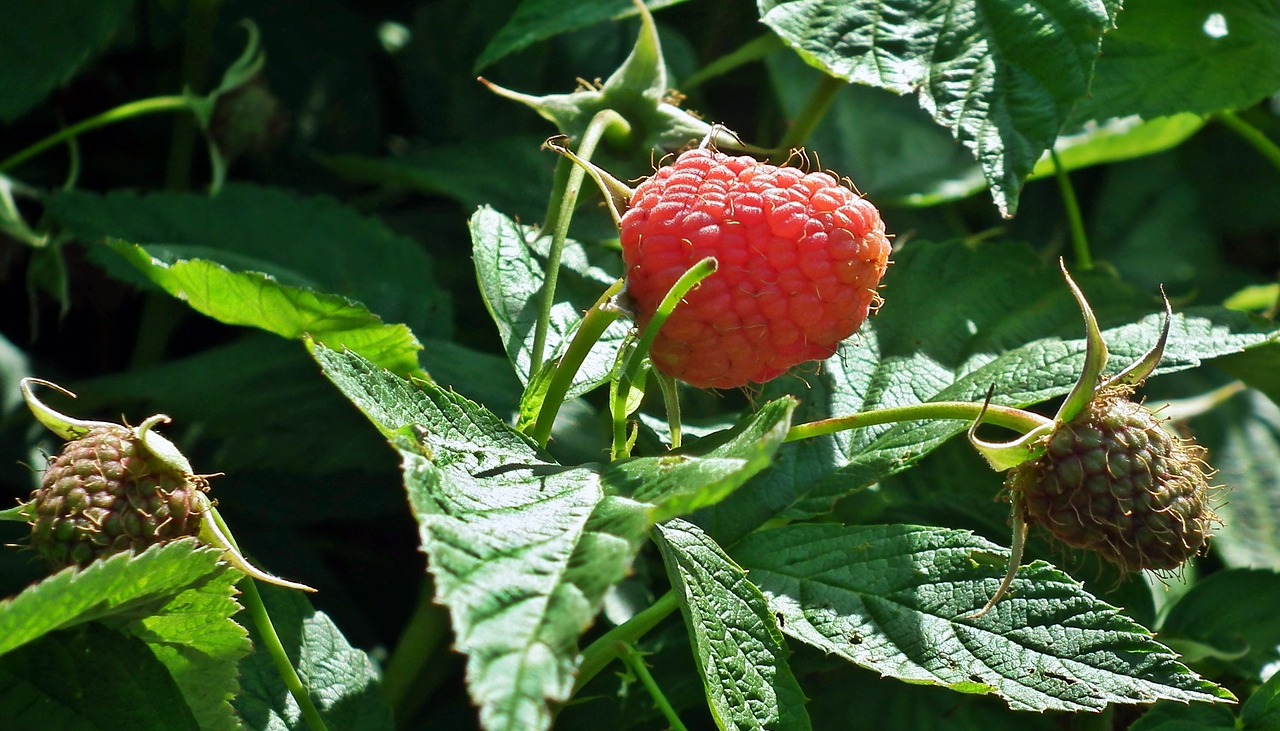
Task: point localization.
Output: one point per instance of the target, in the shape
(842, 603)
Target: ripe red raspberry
(800, 258)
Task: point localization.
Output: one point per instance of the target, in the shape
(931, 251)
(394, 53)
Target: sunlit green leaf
(1201, 56)
(703, 474)
(314, 243)
(1119, 139)
(177, 598)
(736, 641)
(521, 549)
(898, 600)
(255, 299)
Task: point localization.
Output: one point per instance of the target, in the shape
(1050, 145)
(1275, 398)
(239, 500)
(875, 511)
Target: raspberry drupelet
(800, 257)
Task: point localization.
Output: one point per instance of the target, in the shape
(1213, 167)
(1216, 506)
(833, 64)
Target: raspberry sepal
(1104, 474)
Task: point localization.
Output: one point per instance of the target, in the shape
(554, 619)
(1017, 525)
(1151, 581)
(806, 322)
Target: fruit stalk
(1006, 416)
(635, 663)
(1079, 241)
(675, 295)
(563, 203)
(594, 323)
(140, 108)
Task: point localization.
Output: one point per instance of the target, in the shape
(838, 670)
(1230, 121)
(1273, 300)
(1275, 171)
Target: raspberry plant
(674, 368)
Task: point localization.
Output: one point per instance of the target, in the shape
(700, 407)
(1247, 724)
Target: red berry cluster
(800, 257)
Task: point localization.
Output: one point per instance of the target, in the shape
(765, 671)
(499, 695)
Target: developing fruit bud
(1114, 481)
(116, 488)
(106, 493)
(1103, 474)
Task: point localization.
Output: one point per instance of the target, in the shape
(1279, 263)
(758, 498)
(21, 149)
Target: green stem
(142, 107)
(686, 282)
(1252, 135)
(671, 395)
(753, 50)
(1006, 416)
(17, 514)
(418, 643)
(271, 643)
(594, 323)
(1079, 242)
(632, 659)
(604, 650)
(271, 640)
(573, 186)
(809, 118)
(159, 319)
(201, 19)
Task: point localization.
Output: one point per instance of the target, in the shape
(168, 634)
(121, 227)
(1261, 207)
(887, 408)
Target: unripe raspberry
(105, 493)
(800, 257)
(1114, 481)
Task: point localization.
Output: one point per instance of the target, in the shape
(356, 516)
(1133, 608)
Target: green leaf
(740, 652)
(1199, 57)
(521, 549)
(468, 173)
(255, 299)
(314, 243)
(538, 20)
(341, 679)
(1256, 367)
(194, 636)
(1148, 223)
(1262, 710)
(896, 599)
(91, 677)
(1001, 76)
(177, 598)
(42, 45)
(1007, 320)
(688, 479)
(1179, 717)
(509, 264)
(954, 487)
(1247, 632)
(847, 695)
(1243, 438)
(1118, 139)
(122, 585)
(888, 145)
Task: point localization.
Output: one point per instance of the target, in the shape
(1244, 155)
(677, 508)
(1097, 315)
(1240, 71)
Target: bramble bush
(381, 307)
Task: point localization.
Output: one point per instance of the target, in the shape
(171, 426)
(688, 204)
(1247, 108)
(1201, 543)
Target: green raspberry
(1114, 481)
(104, 494)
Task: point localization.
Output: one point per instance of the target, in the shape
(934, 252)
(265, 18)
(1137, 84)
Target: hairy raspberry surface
(1114, 481)
(105, 494)
(800, 258)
